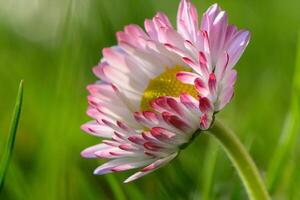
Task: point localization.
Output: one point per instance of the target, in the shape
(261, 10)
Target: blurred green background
(53, 45)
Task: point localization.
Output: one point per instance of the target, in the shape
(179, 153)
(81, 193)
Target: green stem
(242, 161)
(11, 137)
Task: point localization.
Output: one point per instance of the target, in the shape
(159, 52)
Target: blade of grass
(247, 170)
(211, 157)
(115, 186)
(290, 131)
(11, 137)
(133, 192)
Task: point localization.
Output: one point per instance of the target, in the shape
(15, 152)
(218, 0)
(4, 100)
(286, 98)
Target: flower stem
(242, 161)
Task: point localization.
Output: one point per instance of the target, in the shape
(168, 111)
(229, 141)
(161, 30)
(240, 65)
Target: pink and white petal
(136, 176)
(170, 36)
(168, 137)
(230, 32)
(116, 153)
(187, 20)
(237, 46)
(147, 118)
(212, 84)
(115, 58)
(90, 151)
(114, 164)
(129, 147)
(151, 30)
(123, 80)
(209, 16)
(229, 78)
(176, 107)
(193, 48)
(206, 120)
(133, 35)
(221, 66)
(147, 62)
(103, 91)
(97, 129)
(160, 104)
(205, 105)
(135, 31)
(131, 165)
(201, 87)
(176, 122)
(188, 101)
(118, 58)
(204, 63)
(192, 64)
(187, 77)
(137, 139)
(130, 100)
(225, 97)
(228, 88)
(161, 20)
(155, 165)
(217, 33)
(98, 71)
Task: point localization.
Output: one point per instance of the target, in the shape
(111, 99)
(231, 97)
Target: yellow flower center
(166, 84)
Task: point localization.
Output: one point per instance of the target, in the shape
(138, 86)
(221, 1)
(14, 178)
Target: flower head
(158, 87)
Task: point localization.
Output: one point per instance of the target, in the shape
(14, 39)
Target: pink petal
(201, 87)
(150, 28)
(187, 20)
(222, 66)
(132, 165)
(176, 122)
(161, 133)
(191, 63)
(121, 164)
(212, 83)
(204, 121)
(157, 164)
(152, 146)
(203, 63)
(205, 104)
(175, 106)
(186, 77)
(97, 129)
(137, 139)
(237, 46)
(188, 101)
(90, 151)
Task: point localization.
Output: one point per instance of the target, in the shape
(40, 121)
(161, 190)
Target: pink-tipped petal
(187, 20)
(212, 83)
(157, 164)
(187, 77)
(205, 105)
(201, 87)
(97, 129)
(90, 152)
(188, 101)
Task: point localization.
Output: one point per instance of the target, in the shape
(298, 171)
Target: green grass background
(53, 45)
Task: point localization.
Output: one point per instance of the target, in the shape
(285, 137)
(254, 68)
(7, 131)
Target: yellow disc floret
(166, 84)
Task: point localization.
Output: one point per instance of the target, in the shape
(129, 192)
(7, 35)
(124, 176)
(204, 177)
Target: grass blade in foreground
(241, 160)
(116, 188)
(209, 171)
(11, 137)
(290, 132)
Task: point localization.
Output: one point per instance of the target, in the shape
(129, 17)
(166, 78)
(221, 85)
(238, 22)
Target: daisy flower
(159, 86)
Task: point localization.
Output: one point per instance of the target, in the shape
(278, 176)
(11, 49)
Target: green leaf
(11, 137)
(289, 134)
